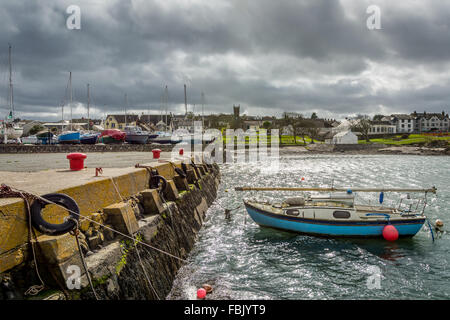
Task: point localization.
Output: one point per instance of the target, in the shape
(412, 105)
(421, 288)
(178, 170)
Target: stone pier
(119, 200)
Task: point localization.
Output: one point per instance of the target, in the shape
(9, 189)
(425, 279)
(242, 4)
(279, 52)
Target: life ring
(55, 229)
(180, 172)
(158, 182)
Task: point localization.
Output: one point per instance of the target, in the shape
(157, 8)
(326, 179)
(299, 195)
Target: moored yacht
(337, 215)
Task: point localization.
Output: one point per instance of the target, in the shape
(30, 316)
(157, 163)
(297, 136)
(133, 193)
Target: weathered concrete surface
(121, 217)
(51, 161)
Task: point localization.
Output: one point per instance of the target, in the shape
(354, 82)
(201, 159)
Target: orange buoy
(390, 233)
(201, 293)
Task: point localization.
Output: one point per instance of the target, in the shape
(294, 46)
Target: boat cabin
(133, 129)
(331, 200)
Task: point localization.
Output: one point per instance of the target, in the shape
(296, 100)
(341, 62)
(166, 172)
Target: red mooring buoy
(390, 233)
(201, 293)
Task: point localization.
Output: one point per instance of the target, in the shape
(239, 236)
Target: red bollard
(156, 153)
(181, 152)
(76, 161)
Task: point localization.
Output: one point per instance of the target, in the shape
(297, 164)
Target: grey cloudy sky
(268, 56)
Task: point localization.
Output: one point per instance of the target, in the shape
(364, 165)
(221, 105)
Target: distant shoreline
(317, 148)
(364, 149)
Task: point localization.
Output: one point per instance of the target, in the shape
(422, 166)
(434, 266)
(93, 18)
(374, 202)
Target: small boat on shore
(336, 215)
(30, 140)
(89, 138)
(69, 137)
(11, 130)
(46, 137)
(112, 136)
(165, 138)
(135, 135)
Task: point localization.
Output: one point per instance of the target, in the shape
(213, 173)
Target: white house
(345, 137)
(404, 123)
(382, 127)
(426, 122)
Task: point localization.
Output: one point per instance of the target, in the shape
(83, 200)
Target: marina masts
(185, 102)
(11, 95)
(166, 97)
(88, 105)
(432, 190)
(71, 97)
(126, 105)
(203, 111)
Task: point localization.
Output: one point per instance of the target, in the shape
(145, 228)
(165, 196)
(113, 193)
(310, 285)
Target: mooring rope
(33, 290)
(75, 232)
(7, 192)
(431, 229)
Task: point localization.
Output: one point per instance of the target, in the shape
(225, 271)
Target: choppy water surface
(245, 261)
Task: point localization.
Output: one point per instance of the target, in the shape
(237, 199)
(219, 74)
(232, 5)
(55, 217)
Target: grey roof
(402, 116)
(440, 116)
(121, 117)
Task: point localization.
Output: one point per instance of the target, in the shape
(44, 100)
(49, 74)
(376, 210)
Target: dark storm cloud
(269, 56)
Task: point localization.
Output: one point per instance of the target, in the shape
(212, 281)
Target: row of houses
(153, 122)
(418, 122)
(393, 124)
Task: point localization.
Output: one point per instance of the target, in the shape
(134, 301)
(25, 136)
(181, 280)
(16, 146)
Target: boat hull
(136, 138)
(89, 139)
(328, 228)
(11, 133)
(165, 140)
(30, 140)
(109, 140)
(69, 138)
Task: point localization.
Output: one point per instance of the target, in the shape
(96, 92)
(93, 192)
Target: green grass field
(412, 139)
(285, 140)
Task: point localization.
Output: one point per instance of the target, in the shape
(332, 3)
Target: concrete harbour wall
(119, 268)
(67, 148)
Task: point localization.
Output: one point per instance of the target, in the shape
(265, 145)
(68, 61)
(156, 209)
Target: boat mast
(71, 96)
(11, 96)
(432, 190)
(185, 102)
(62, 115)
(166, 97)
(161, 108)
(203, 111)
(126, 104)
(88, 105)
